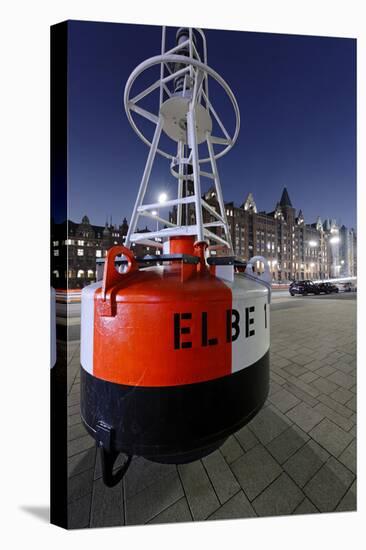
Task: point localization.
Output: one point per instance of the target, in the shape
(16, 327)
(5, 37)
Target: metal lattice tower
(185, 114)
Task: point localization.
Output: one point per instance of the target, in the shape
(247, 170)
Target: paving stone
(349, 501)
(75, 389)
(341, 395)
(337, 407)
(304, 416)
(308, 377)
(349, 457)
(303, 396)
(302, 358)
(329, 485)
(221, 476)
(352, 404)
(246, 438)
(80, 485)
(308, 388)
(280, 361)
(325, 371)
(255, 471)
(74, 409)
(81, 462)
(142, 473)
(347, 368)
(287, 353)
(278, 379)
(315, 364)
(306, 507)
(287, 443)
(75, 431)
(149, 502)
(344, 423)
(342, 379)
(324, 385)
(331, 437)
(295, 370)
(73, 419)
(305, 463)
(268, 424)
(201, 497)
(73, 399)
(237, 507)
(274, 387)
(231, 450)
(177, 512)
(284, 400)
(80, 444)
(107, 505)
(78, 512)
(280, 498)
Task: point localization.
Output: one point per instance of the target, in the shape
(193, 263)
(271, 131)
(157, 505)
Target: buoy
(175, 356)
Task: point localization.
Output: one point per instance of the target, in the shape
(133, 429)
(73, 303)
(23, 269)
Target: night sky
(297, 99)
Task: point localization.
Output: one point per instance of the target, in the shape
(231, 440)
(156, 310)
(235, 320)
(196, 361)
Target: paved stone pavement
(297, 456)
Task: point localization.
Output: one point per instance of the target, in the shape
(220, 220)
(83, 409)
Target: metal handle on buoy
(264, 278)
(111, 276)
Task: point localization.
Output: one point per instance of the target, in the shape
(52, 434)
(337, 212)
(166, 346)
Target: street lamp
(162, 198)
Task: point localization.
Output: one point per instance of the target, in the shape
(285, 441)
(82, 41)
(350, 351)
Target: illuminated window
(80, 273)
(98, 253)
(69, 241)
(56, 252)
(90, 273)
(55, 243)
(80, 252)
(80, 243)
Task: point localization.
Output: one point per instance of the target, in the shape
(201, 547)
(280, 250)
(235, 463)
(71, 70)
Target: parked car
(347, 287)
(303, 288)
(327, 288)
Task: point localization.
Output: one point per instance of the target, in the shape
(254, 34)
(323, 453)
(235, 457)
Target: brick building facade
(294, 249)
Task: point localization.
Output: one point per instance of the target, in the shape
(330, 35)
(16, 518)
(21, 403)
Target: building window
(69, 241)
(80, 252)
(80, 273)
(56, 252)
(80, 243)
(90, 273)
(56, 273)
(55, 243)
(98, 253)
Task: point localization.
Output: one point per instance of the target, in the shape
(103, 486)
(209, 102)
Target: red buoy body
(174, 357)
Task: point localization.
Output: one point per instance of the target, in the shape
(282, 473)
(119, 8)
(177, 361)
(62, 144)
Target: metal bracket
(104, 438)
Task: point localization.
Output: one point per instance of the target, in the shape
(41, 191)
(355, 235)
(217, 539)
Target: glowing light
(154, 213)
(334, 240)
(313, 243)
(312, 265)
(163, 197)
(342, 262)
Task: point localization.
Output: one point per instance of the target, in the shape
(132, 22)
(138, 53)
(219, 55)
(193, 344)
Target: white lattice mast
(185, 114)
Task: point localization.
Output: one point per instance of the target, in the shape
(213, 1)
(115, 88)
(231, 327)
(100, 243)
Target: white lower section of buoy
(87, 326)
(250, 322)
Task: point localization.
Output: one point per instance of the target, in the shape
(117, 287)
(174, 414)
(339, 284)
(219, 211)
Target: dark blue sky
(297, 99)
